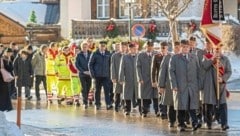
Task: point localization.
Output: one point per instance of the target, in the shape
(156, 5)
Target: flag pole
(218, 86)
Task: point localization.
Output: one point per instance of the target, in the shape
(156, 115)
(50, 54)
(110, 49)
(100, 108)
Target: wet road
(42, 119)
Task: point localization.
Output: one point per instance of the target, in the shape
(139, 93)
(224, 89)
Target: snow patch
(8, 128)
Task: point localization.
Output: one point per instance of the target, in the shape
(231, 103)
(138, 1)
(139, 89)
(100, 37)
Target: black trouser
(38, 80)
(111, 91)
(27, 91)
(171, 114)
(223, 114)
(181, 117)
(99, 82)
(146, 105)
(135, 102)
(127, 105)
(12, 89)
(86, 82)
(162, 108)
(155, 104)
(117, 100)
(209, 111)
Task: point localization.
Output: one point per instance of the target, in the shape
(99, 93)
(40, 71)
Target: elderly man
(115, 66)
(211, 64)
(184, 80)
(99, 66)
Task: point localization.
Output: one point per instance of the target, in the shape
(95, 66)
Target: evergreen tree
(33, 17)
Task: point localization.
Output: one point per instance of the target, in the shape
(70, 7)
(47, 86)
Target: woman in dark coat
(5, 100)
(23, 73)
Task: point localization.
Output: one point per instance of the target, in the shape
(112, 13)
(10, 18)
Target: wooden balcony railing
(97, 28)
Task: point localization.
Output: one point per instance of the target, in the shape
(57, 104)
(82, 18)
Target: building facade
(118, 9)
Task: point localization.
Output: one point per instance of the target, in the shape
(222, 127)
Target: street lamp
(129, 2)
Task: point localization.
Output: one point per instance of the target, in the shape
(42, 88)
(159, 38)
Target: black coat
(5, 100)
(23, 70)
(99, 65)
(82, 63)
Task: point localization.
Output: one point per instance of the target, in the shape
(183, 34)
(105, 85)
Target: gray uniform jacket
(115, 67)
(128, 75)
(146, 91)
(164, 81)
(209, 82)
(184, 75)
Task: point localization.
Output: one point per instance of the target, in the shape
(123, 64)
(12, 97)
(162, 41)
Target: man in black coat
(99, 66)
(84, 74)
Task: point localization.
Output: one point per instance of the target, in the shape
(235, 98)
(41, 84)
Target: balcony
(49, 1)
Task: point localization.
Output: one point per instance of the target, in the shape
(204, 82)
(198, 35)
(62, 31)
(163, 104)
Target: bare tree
(172, 9)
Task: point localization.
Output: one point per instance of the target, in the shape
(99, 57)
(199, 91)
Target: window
(124, 9)
(103, 8)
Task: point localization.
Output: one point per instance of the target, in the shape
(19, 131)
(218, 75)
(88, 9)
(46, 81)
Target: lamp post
(129, 2)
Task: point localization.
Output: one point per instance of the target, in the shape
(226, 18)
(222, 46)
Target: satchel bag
(7, 77)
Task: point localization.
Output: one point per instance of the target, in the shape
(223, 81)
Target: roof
(20, 11)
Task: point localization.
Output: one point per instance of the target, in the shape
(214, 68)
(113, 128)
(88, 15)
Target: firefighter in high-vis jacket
(75, 81)
(50, 69)
(64, 77)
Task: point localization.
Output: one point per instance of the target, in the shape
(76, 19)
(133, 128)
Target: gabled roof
(20, 11)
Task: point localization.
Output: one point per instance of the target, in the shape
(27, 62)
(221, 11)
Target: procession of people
(183, 84)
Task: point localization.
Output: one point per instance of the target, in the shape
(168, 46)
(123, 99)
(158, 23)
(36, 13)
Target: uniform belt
(64, 79)
(51, 74)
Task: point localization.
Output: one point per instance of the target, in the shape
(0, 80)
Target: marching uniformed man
(164, 84)
(115, 67)
(146, 90)
(184, 80)
(128, 78)
(210, 82)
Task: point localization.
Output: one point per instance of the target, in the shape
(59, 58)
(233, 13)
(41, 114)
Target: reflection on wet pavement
(40, 118)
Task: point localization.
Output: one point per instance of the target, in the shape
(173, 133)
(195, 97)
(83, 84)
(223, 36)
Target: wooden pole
(19, 107)
(218, 87)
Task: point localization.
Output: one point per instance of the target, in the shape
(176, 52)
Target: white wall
(73, 9)
(231, 6)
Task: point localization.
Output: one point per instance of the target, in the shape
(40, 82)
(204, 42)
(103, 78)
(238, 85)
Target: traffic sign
(138, 30)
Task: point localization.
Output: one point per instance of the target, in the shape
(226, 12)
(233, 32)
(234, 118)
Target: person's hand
(121, 83)
(161, 90)
(114, 80)
(175, 89)
(86, 72)
(220, 80)
(154, 84)
(141, 81)
(16, 77)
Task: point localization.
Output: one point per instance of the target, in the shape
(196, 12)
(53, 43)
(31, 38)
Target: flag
(212, 30)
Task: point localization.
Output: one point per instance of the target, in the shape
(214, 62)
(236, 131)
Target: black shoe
(85, 106)
(181, 129)
(78, 104)
(225, 127)
(109, 107)
(127, 113)
(97, 107)
(163, 116)
(171, 124)
(144, 115)
(38, 99)
(195, 127)
(69, 103)
(157, 114)
(29, 98)
(116, 109)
